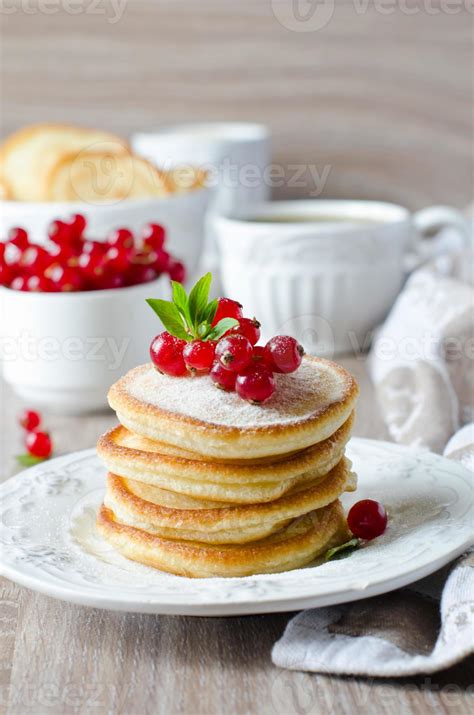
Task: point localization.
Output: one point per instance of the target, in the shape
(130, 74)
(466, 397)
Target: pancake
(129, 455)
(170, 515)
(190, 413)
(296, 545)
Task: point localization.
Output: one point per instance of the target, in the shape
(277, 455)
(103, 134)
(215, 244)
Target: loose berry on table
(30, 420)
(39, 444)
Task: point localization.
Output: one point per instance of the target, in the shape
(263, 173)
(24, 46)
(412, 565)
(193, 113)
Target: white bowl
(62, 351)
(181, 214)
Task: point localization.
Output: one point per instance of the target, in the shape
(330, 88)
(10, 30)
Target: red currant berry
(144, 258)
(258, 354)
(255, 384)
(92, 265)
(234, 352)
(39, 284)
(6, 275)
(227, 308)
(249, 329)
(18, 237)
(39, 444)
(19, 283)
(122, 238)
(35, 259)
(78, 225)
(60, 232)
(367, 519)
(140, 274)
(64, 279)
(222, 378)
(283, 353)
(11, 255)
(199, 355)
(153, 237)
(109, 281)
(117, 259)
(166, 353)
(177, 271)
(162, 261)
(30, 420)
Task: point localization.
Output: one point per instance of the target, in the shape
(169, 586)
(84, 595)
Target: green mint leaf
(170, 316)
(197, 301)
(211, 310)
(29, 460)
(180, 299)
(203, 330)
(222, 327)
(340, 552)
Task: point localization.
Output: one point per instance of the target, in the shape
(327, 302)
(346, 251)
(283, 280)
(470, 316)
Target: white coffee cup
(327, 272)
(235, 155)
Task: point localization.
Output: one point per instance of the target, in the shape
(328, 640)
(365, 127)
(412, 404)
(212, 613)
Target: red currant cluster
(235, 362)
(72, 262)
(38, 443)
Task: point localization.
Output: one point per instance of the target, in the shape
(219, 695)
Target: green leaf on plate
(340, 552)
(28, 460)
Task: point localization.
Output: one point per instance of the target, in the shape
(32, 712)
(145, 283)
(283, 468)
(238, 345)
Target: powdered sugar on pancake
(308, 391)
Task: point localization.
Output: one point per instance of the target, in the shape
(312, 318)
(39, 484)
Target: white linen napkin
(422, 367)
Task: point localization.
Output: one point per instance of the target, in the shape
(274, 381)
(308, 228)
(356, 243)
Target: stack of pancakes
(202, 483)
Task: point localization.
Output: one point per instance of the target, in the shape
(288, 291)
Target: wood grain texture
(63, 659)
(378, 101)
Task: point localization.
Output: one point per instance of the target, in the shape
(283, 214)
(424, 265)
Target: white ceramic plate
(48, 541)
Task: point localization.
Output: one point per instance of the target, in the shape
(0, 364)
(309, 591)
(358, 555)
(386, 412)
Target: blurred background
(376, 96)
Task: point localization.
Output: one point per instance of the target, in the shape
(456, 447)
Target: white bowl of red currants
(72, 310)
(182, 214)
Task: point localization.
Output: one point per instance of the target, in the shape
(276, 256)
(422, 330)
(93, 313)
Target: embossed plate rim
(291, 590)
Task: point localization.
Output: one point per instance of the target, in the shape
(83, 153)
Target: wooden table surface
(58, 658)
(377, 103)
